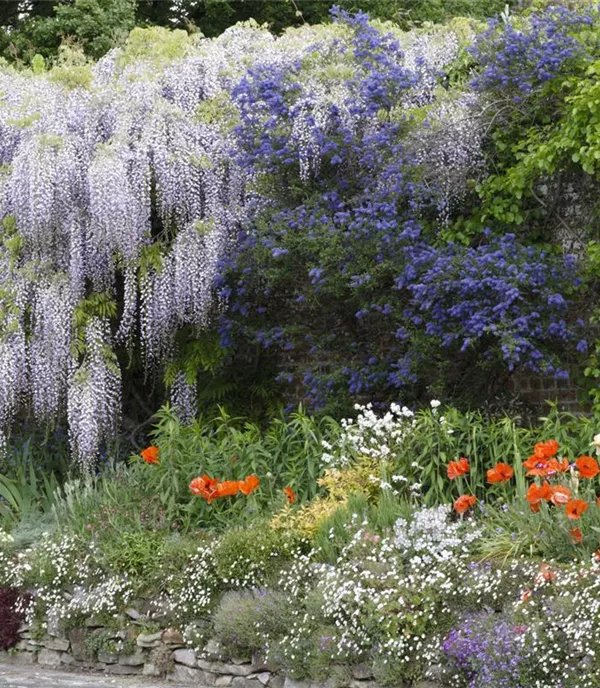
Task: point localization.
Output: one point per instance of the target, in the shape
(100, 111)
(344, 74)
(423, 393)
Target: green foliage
(26, 493)
(252, 555)
(433, 443)
(155, 45)
(96, 25)
(285, 453)
(244, 618)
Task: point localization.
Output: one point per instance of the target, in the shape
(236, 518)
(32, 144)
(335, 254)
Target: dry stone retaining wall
(160, 654)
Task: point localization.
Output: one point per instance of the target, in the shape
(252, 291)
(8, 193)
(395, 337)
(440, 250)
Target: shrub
(247, 620)
(10, 617)
(250, 556)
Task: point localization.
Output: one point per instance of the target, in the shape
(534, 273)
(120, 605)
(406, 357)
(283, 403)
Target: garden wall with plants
(428, 548)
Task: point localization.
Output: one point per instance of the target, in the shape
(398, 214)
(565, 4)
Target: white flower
(435, 403)
(596, 444)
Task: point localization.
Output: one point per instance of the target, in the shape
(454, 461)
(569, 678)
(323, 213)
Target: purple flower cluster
(519, 58)
(499, 290)
(342, 275)
(486, 650)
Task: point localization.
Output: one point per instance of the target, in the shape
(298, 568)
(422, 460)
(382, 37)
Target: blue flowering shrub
(342, 277)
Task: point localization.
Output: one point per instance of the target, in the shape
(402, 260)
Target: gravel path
(36, 677)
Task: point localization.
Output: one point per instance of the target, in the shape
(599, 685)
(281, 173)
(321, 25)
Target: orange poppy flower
(526, 595)
(204, 487)
(587, 467)
(575, 508)
(150, 454)
(500, 473)
(543, 468)
(227, 488)
(538, 493)
(250, 484)
(556, 466)
(458, 468)
(545, 450)
(289, 493)
(560, 495)
(575, 533)
(536, 467)
(463, 503)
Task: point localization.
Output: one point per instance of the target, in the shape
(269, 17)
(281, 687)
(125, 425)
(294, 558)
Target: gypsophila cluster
(370, 435)
(430, 536)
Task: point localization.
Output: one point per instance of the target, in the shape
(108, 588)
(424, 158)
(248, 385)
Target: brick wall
(536, 390)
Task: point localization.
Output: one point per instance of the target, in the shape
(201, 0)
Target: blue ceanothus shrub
(340, 272)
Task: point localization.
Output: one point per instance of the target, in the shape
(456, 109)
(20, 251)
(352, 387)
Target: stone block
(292, 683)
(60, 644)
(186, 674)
(49, 658)
(122, 670)
(370, 684)
(67, 659)
(172, 637)
(138, 658)
(223, 680)
(221, 668)
(26, 657)
(107, 657)
(150, 669)
(276, 681)
(264, 677)
(149, 639)
(187, 657)
(243, 682)
(77, 637)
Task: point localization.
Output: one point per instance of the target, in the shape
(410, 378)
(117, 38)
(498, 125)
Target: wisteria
(148, 200)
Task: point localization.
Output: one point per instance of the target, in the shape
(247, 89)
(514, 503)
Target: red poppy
(150, 454)
(204, 487)
(289, 493)
(526, 595)
(500, 473)
(543, 468)
(546, 450)
(457, 468)
(463, 503)
(575, 533)
(560, 495)
(227, 488)
(587, 467)
(538, 493)
(250, 484)
(575, 508)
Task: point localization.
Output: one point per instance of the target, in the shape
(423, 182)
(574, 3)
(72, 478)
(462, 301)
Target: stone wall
(160, 654)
